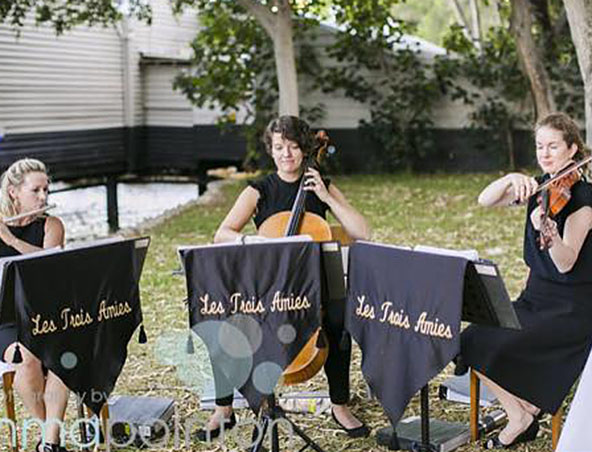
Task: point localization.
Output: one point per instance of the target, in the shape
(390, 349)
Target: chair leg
(7, 385)
(474, 414)
(103, 425)
(556, 427)
(104, 414)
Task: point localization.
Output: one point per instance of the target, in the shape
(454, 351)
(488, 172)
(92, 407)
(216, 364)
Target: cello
(282, 224)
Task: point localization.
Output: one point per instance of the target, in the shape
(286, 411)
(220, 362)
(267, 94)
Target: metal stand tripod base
(271, 418)
(388, 436)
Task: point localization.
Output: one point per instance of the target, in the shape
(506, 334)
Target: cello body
(314, 354)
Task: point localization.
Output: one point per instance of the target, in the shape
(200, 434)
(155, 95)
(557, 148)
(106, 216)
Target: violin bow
(563, 173)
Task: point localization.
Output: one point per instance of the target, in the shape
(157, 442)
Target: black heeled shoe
(357, 432)
(49, 447)
(204, 434)
(527, 435)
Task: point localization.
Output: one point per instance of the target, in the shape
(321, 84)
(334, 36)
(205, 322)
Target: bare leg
(518, 417)
(29, 381)
(56, 400)
(220, 412)
(529, 407)
(345, 416)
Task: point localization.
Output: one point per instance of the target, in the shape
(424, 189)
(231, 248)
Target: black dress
(276, 195)
(33, 233)
(541, 362)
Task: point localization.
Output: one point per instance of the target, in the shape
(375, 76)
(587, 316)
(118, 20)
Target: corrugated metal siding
(70, 82)
(162, 105)
(190, 150)
(340, 111)
(168, 35)
(69, 154)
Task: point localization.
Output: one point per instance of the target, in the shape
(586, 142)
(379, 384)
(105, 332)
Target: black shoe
(207, 435)
(527, 435)
(357, 432)
(49, 447)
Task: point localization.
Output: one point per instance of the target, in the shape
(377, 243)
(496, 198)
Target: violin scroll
(324, 146)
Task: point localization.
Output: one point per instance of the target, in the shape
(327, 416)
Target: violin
(314, 354)
(554, 195)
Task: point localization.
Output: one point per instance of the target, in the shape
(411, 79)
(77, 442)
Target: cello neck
(297, 207)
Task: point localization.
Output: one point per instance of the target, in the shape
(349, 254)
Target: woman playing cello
(288, 140)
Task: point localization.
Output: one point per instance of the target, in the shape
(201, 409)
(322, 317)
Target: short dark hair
(291, 128)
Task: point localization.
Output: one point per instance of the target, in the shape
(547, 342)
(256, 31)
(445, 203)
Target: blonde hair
(14, 176)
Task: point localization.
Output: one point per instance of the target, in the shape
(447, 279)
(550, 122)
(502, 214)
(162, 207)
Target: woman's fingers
(524, 187)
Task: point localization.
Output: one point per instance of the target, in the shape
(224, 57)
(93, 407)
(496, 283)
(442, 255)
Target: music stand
(332, 286)
(9, 296)
(485, 301)
(334, 283)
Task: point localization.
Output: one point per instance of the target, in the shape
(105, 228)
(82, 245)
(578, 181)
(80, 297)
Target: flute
(28, 214)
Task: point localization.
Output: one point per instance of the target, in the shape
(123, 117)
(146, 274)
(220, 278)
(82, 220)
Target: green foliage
(233, 69)
(377, 67)
(493, 83)
(63, 15)
(432, 18)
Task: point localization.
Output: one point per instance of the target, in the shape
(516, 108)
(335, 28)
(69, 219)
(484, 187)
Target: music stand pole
(425, 420)
(270, 413)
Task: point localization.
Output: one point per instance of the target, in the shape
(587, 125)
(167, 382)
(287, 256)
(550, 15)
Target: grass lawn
(402, 209)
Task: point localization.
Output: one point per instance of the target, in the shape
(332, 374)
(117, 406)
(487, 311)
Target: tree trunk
(278, 26)
(531, 58)
(510, 145)
(579, 15)
(285, 63)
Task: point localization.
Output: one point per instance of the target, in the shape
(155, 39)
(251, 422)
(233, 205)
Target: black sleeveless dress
(541, 362)
(277, 195)
(33, 233)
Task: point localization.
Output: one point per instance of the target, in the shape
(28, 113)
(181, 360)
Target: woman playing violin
(532, 370)
(288, 140)
(24, 188)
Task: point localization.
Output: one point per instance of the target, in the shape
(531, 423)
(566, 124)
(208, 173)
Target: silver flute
(28, 214)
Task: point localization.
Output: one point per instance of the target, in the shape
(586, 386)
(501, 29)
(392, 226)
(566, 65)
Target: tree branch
(477, 35)
(263, 15)
(460, 16)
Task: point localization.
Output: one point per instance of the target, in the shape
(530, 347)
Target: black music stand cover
(426, 295)
(254, 306)
(76, 310)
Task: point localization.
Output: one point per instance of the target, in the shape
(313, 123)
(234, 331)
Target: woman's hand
(549, 233)
(523, 186)
(315, 183)
(536, 217)
(245, 239)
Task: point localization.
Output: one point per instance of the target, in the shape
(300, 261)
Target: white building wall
(51, 83)
(77, 81)
(342, 112)
(169, 36)
(162, 105)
